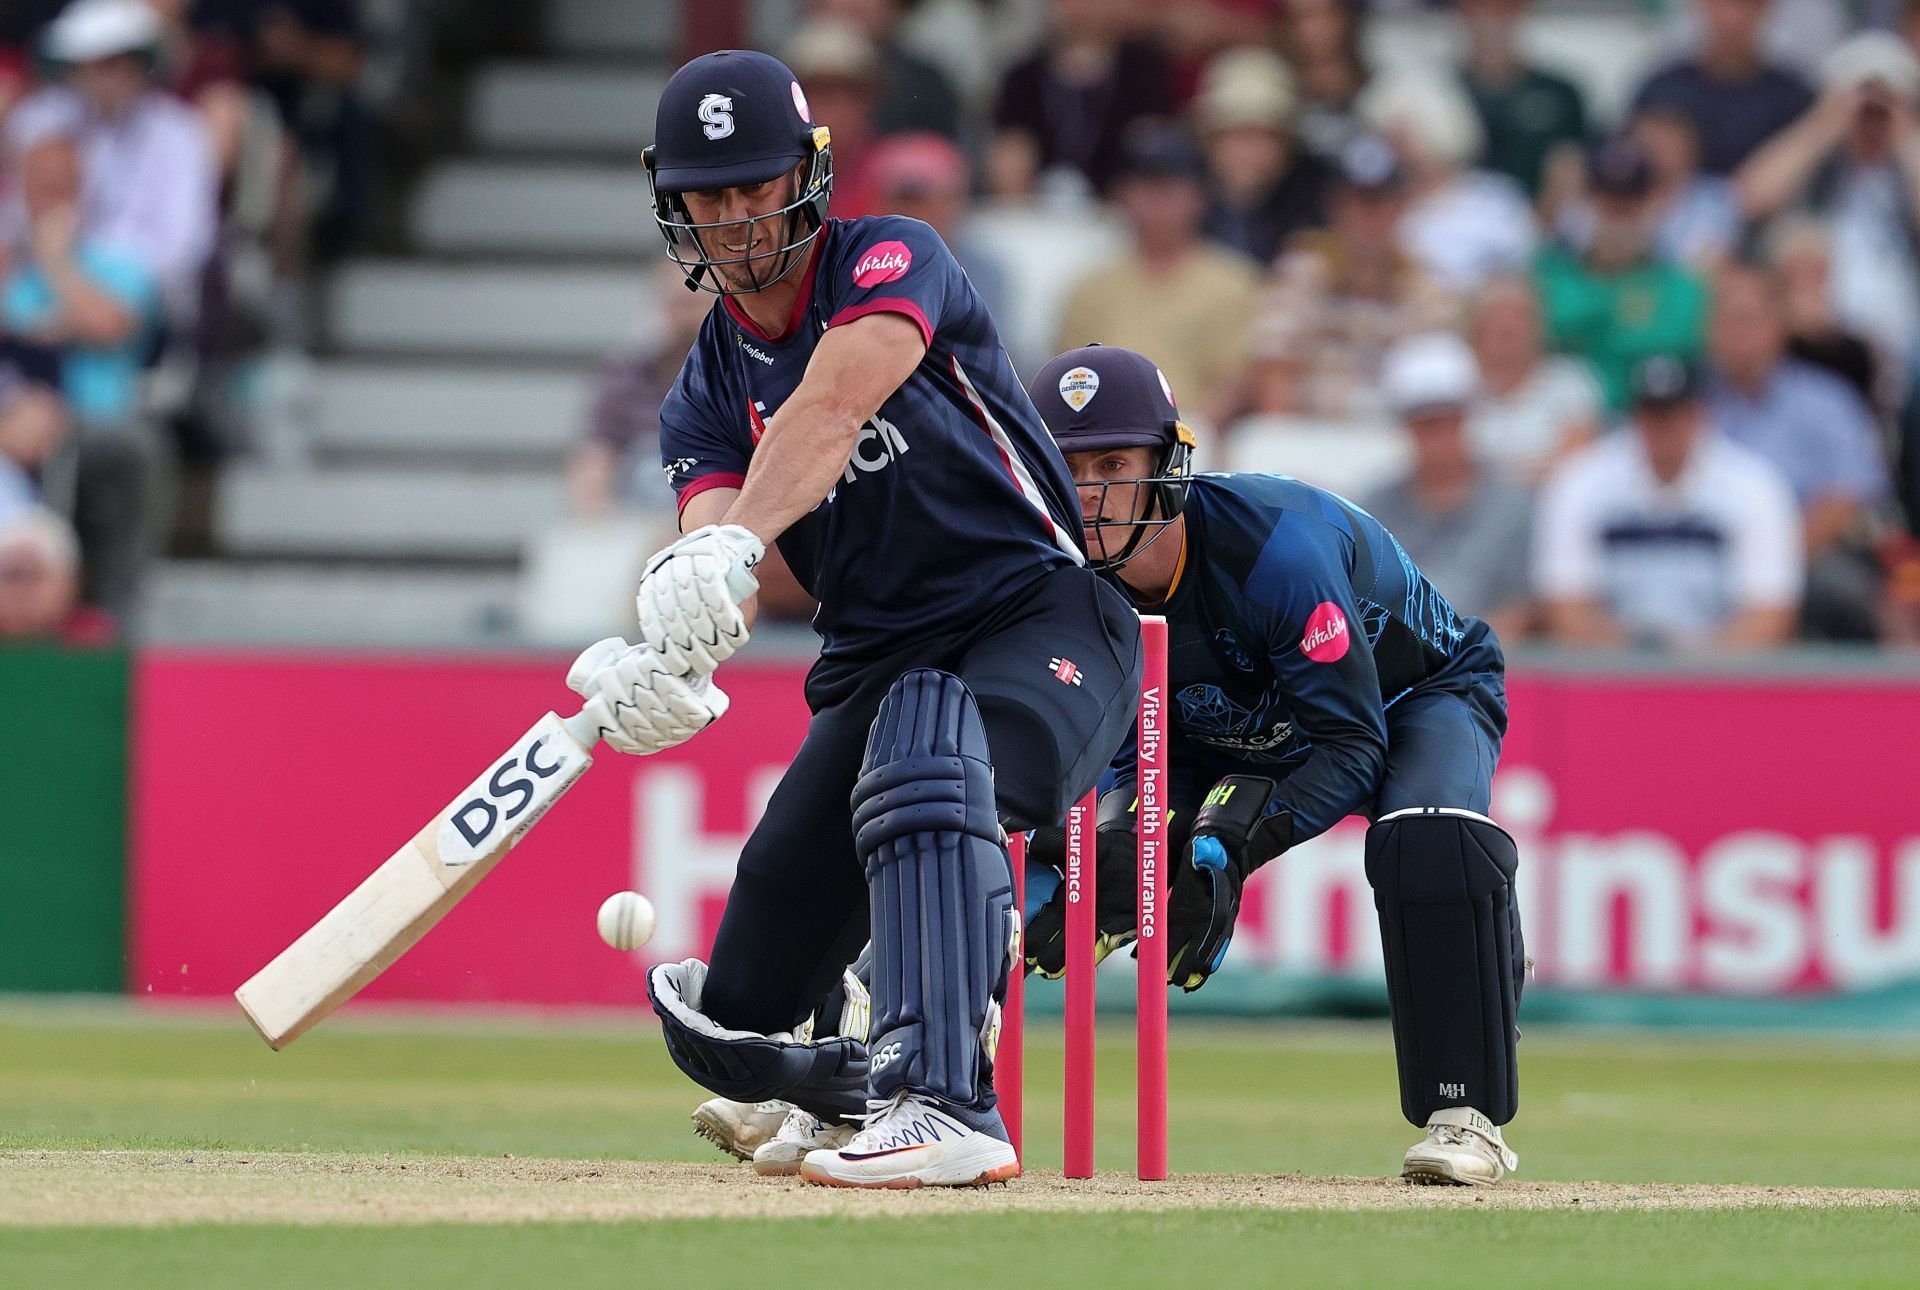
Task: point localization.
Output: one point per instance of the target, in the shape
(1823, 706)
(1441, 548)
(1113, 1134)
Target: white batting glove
(690, 595)
(636, 704)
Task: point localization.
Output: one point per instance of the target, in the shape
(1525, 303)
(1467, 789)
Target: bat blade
(399, 902)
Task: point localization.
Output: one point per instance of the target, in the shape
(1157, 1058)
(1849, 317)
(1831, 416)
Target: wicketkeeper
(1314, 673)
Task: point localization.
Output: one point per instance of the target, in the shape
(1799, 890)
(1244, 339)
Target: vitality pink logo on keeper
(882, 263)
(1327, 636)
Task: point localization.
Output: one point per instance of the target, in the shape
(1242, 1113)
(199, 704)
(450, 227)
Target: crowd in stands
(1637, 373)
(1640, 378)
(167, 170)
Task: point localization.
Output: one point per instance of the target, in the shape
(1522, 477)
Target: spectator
(841, 71)
(1667, 535)
(150, 183)
(1614, 303)
(1535, 409)
(1321, 40)
(1851, 161)
(914, 95)
(40, 582)
(1811, 428)
(1699, 221)
(1527, 115)
(1800, 251)
(99, 308)
(925, 177)
(1173, 295)
(33, 416)
(1735, 98)
(1195, 32)
(615, 466)
(307, 56)
(1266, 187)
(1466, 525)
(1342, 296)
(1066, 108)
(1460, 224)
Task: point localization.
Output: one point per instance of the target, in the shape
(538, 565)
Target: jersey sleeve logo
(1326, 637)
(882, 263)
(716, 110)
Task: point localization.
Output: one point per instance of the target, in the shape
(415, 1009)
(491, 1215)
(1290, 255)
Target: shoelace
(800, 1124)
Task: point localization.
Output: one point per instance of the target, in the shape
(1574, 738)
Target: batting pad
(1443, 883)
(927, 830)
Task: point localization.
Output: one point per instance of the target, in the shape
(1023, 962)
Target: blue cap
(1104, 397)
(731, 118)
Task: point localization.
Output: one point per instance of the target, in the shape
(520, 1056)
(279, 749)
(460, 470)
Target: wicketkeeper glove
(1233, 834)
(1115, 883)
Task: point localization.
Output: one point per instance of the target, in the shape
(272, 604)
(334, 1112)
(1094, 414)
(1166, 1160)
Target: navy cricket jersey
(956, 498)
(1295, 622)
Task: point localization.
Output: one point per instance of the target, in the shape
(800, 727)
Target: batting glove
(636, 704)
(690, 597)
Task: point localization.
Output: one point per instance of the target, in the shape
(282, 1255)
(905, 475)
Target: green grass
(1247, 1099)
(1737, 1249)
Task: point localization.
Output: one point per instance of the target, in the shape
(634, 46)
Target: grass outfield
(342, 1160)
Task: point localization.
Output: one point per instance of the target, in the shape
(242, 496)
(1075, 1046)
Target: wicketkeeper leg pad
(826, 1076)
(927, 830)
(1449, 922)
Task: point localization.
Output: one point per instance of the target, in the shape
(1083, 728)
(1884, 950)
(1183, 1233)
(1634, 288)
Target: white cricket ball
(626, 920)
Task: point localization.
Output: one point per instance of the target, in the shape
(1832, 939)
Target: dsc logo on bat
(504, 803)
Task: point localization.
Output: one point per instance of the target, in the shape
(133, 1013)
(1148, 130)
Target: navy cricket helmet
(733, 119)
(1102, 397)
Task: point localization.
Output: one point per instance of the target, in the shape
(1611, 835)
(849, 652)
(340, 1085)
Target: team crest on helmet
(1079, 386)
(800, 104)
(1166, 389)
(716, 111)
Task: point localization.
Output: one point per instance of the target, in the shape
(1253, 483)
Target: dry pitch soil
(156, 1188)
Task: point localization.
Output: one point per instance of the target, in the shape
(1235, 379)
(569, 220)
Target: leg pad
(928, 833)
(1450, 925)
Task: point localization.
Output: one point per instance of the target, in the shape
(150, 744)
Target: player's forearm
(800, 458)
(1338, 780)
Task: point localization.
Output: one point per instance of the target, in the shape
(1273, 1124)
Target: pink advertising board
(1738, 837)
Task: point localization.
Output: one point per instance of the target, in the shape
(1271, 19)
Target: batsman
(1314, 673)
(848, 398)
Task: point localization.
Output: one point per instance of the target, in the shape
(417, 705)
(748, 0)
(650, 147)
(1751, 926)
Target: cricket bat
(399, 902)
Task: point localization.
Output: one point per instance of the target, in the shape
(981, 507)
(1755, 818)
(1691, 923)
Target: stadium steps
(243, 603)
(366, 410)
(382, 513)
(519, 207)
(485, 311)
(565, 107)
(604, 28)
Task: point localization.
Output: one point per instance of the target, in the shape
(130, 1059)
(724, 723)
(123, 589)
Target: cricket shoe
(739, 1128)
(911, 1140)
(803, 1131)
(1462, 1146)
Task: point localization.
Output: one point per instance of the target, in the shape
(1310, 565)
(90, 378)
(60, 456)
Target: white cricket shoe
(908, 1140)
(1462, 1146)
(739, 1128)
(803, 1131)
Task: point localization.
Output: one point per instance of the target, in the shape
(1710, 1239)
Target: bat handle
(584, 732)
